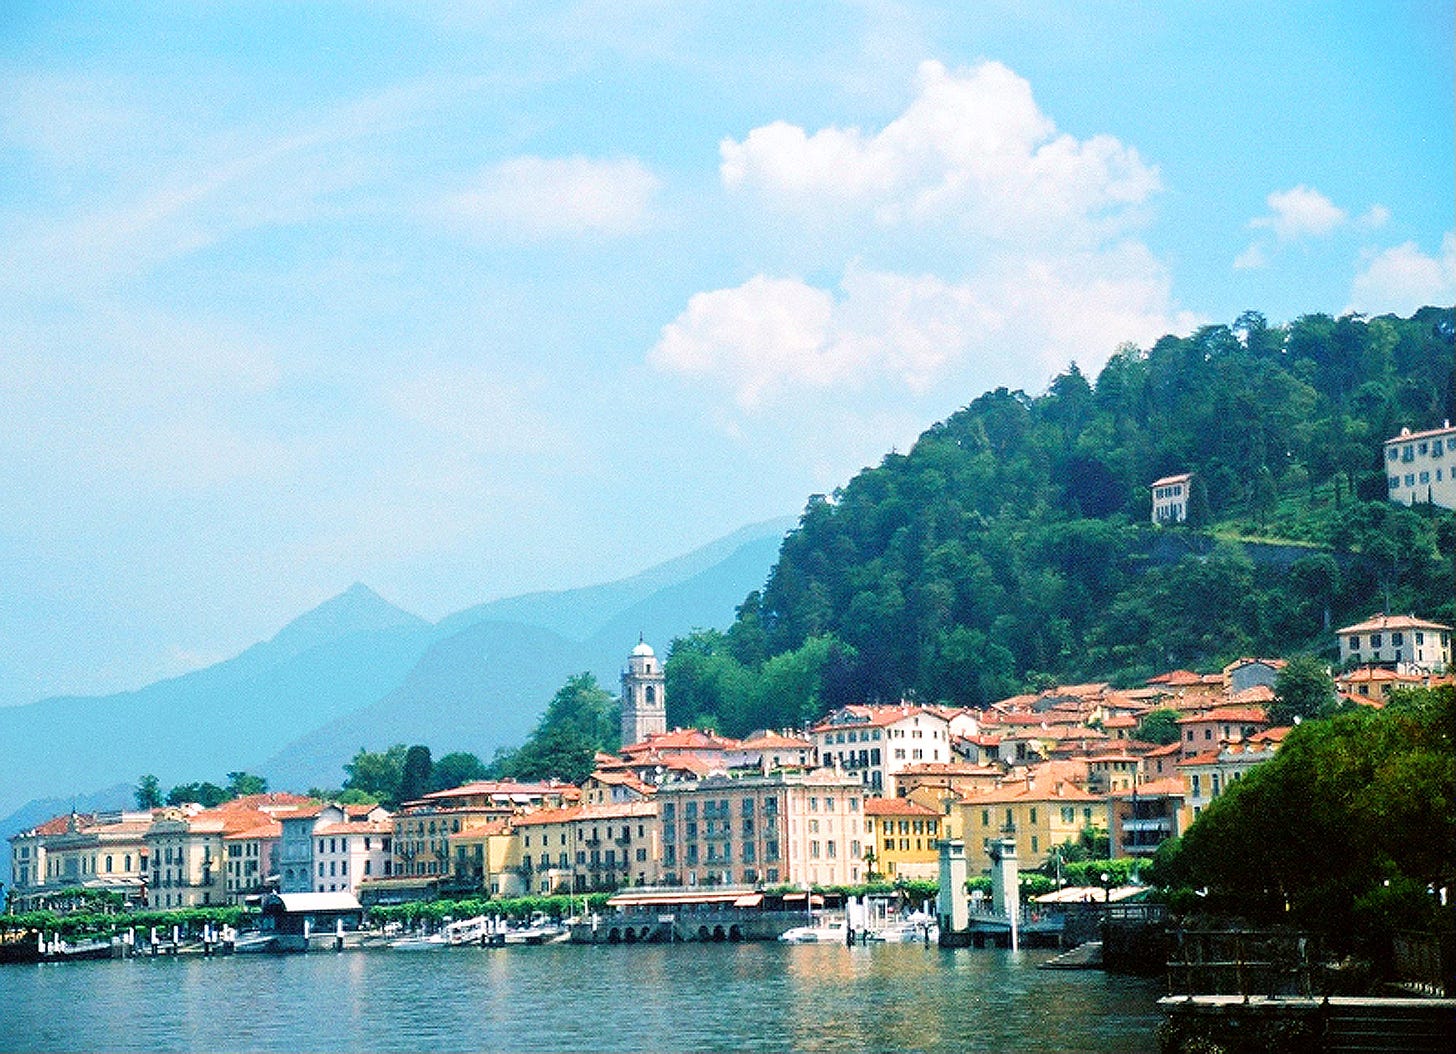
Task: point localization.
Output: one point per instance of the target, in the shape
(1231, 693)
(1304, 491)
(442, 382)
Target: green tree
(242, 784)
(209, 795)
(148, 792)
(581, 719)
(455, 770)
(414, 780)
(1302, 690)
(1158, 726)
(377, 774)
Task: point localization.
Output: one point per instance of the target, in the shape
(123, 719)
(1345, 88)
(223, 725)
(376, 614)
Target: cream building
(1421, 466)
(93, 851)
(1404, 643)
(587, 848)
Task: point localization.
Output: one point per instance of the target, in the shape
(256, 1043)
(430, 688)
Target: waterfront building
(1170, 498)
(250, 858)
(644, 695)
(105, 851)
(874, 743)
(1141, 817)
(1402, 643)
(584, 848)
(786, 827)
(185, 847)
(1421, 466)
(486, 859)
(422, 828)
(1043, 810)
(329, 848)
(901, 839)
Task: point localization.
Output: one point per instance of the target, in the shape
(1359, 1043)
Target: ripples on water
(729, 997)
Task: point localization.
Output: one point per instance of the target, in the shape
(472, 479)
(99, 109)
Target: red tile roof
(896, 807)
(1383, 622)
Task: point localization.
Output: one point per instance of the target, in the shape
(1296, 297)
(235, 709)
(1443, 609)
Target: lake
(683, 997)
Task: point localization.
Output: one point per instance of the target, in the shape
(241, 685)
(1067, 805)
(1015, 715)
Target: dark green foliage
(1158, 726)
(206, 794)
(1011, 543)
(242, 784)
(148, 792)
(1302, 690)
(1346, 830)
(581, 719)
(377, 775)
(456, 770)
(414, 779)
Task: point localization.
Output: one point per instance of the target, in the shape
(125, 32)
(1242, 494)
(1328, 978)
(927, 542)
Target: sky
(462, 301)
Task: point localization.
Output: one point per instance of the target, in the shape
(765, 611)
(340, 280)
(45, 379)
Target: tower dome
(644, 709)
(643, 650)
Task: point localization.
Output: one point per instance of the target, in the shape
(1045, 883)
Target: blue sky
(463, 301)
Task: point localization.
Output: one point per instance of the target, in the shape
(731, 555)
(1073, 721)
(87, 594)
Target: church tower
(644, 700)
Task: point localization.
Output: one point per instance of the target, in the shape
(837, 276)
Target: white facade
(332, 849)
(873, 743)
(1421, 467)
(1170, 498)
(1402, 642)
(644, 696)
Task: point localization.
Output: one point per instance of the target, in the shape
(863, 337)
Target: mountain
(483, 686)
(358, 671)
(233, 715)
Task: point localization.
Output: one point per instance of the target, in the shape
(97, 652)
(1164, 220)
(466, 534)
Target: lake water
(694, 997)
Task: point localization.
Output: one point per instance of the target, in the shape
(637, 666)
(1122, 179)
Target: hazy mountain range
(359, 672)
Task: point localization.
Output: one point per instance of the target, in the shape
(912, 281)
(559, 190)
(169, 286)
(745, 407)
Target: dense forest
(1010, 547)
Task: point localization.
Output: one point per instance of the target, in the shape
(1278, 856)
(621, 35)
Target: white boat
(467, 931)
(254, 941)
(825, 931)
(433, 942)
(916, 928)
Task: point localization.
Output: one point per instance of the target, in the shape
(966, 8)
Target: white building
(644, 698)
(1170, 498)
(1421, 466)
(873, 743)
(1402, 642)
(332, 848)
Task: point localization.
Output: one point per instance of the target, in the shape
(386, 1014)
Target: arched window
(651, 694)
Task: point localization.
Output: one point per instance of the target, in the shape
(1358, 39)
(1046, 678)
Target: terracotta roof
(1383, 622)
(1177, 678)
(896, 807)
(356, 827)
(1038, 790)
(1182, 477)
(764, 740)
(682, 739)
(1172, 786)
(1259, 693)
(1406, 435)
(1252, 714)
(858, 715)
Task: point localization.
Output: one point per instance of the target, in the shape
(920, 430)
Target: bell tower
(644, 699)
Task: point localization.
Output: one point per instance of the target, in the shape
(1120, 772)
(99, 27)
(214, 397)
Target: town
(867, 795)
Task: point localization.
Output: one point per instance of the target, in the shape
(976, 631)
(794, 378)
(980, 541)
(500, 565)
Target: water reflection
(812, 998)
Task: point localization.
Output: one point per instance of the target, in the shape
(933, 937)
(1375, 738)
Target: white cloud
(972, 150)
(1018, 324)
(1251, 259)
(1027, 227)
(1299, 212)
(558, 197)
(1375, 217)
(1403, 279)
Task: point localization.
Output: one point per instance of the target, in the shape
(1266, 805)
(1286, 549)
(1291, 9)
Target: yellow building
(1043, 814)
(486, 859)
(584, 848)
(901, 838)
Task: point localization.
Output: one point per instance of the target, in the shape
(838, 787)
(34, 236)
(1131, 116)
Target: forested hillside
(1011, 544)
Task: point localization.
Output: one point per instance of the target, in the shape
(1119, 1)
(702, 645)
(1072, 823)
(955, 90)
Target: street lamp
(1106, 888)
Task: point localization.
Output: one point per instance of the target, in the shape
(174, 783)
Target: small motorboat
(825, 931)
(915, 928)
(421, 943)
(253, 941)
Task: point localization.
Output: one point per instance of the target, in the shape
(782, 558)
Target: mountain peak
(357, 609)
